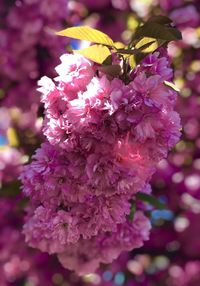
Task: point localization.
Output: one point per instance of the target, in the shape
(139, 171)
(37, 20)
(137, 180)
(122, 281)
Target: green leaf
(10, 189)
(132, 212)
(158, 31)
(108, 61)
(151, 200)
(22, 203)
(172, 85)
(177, 34)
(132, 62)
(146, 46)
(87, 34)
(160, 19)
(119, 45)
(145, 43)
(139, 57)
(96, 53)
(149, 45)
(2, 93)
(112, 70)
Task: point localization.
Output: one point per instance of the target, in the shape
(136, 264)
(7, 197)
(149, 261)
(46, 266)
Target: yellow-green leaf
(96, 53)
(119, 45)
(172, 85)
(132, 62)
(148, 44)
(86, 33)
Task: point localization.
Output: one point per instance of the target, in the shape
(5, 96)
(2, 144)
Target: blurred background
(29, 49)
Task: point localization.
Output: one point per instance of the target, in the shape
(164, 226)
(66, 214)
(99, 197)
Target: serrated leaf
(112, 70)
(172, 85)
(160, 19)
(86, 33)
(96, 53)
(158, 31)
(151, 200)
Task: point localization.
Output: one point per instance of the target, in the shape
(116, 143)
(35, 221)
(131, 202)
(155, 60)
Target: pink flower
(186, 16)
(74, 72)
(51, 231)
(86, 256)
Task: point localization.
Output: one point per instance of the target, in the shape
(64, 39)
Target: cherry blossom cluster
(27, 32)
(23, 265)
(104, 139)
